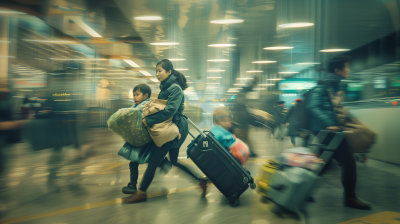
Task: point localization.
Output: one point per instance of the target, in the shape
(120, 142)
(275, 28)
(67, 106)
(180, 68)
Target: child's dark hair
(143, 88)
(167, 66)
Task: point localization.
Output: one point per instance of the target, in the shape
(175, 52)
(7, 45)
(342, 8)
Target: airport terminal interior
(68, 67)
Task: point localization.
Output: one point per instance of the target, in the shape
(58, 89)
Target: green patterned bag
(128, 124)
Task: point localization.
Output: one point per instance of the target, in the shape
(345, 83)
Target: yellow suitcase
(267, 170)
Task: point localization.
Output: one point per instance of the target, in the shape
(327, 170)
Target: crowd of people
(317, 109)
(320, 115)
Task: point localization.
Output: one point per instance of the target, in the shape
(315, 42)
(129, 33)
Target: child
(141, 95)
(221, 131)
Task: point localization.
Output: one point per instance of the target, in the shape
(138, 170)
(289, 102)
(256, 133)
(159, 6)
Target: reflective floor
(84, 186)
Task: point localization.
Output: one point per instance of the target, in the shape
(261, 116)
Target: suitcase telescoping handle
(197, 128)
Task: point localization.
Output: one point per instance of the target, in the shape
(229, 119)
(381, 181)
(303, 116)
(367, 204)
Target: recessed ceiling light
(278, 48)
(263, 62)
(294, 25)
(334, 50)
(177, 59)
(216, 70)
(131, 63)
(288, 72)
(259, 89)
(182, 69)
(214, 83)
(218, 60)
(244, 78)
(86, 28)
(10, 12)
(79, 59)
(187, 76)
(222, 45)
(232, 91)
(51, 41)
(165, 43)
(254, 71)
(214, 77)
(308, 63)
(239, 84)
(154, 80)
(227, 21)
(148, 18)
(189, 82)
(274, 79)
(266, 84)
(146, 73)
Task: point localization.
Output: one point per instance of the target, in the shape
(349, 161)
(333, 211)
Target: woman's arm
(175, 98)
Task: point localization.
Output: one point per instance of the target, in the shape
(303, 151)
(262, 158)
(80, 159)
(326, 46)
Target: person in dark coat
(323, 117)
(293, 117)
(241, 115)
(172, 85)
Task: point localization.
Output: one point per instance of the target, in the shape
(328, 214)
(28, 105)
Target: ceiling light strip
(86, 28)
(131, 63)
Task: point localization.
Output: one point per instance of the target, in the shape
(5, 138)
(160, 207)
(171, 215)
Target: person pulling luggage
(322, 116)
(172, 85)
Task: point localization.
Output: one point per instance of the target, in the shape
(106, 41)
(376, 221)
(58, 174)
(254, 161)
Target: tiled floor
(69, 187)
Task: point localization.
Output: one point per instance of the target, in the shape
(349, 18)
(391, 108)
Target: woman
(172, 85)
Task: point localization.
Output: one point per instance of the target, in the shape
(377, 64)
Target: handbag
(359, 137)
(140, 155)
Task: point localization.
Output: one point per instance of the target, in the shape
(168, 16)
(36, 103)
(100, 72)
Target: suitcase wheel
(245, 180)
(234, 200)
(253, 186)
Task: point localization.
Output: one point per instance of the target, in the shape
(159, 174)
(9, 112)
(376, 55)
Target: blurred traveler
(172, 85)
(241, 115)
(279, 116)
(222, 131)
(322, 116)
(26, 108)
(141, 95)
(5, 117)
(294, 119)
(9, 128)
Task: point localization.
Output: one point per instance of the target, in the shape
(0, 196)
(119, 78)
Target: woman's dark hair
(167, 66)
(337, 62)
(143, 88)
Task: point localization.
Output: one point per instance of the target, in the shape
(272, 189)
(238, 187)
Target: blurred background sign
(294, 85)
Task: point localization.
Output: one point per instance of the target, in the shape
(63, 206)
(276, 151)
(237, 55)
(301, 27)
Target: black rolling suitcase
(219, 166)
